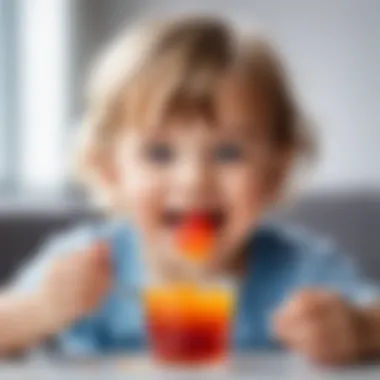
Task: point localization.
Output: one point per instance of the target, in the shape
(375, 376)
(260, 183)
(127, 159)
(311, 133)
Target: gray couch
(352, 219)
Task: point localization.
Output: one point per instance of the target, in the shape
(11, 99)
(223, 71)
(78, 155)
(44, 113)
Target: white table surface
(261, 366)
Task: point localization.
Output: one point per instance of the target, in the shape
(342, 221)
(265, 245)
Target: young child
(188, 117)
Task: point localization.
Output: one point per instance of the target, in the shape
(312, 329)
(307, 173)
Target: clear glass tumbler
(189, 323)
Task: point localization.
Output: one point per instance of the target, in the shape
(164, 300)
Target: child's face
(192, 164)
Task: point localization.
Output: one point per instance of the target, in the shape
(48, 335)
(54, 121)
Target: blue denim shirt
(281, 260)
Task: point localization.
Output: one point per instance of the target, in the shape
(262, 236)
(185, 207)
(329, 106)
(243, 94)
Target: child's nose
(194, 181)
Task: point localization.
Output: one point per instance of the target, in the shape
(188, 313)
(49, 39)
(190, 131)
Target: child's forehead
(237, 108)
(184, 126)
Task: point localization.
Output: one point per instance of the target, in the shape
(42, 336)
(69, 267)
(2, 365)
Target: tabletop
(262, 366)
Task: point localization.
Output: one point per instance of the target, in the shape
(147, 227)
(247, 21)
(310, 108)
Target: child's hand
(75, 285)
(322, 326)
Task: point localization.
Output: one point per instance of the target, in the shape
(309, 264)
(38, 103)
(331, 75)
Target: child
(190, 117)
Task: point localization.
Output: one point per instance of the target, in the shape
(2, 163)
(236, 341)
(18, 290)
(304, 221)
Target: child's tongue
(195, 236)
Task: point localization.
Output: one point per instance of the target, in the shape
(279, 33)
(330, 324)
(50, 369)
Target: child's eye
(159, 153)
(228, 153)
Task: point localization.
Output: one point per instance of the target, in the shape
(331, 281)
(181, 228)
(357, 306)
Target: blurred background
(333, 51)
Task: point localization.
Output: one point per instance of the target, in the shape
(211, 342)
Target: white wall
(333, 49)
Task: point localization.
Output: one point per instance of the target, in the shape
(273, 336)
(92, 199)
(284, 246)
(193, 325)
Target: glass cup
(189, 323)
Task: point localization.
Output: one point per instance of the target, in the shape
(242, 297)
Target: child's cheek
(242, 193)
(141, 191)
(242, 189)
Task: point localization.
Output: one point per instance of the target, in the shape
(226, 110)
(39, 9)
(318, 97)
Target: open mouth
(177, 218)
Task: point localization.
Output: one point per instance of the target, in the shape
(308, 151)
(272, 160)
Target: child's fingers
(99, 253)
(302, 323)
(286, 324)
(320, 340)
(309, 333)
(311, 339)
(306, 305)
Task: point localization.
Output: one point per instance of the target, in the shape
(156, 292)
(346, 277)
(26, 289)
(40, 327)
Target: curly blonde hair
(169, 66)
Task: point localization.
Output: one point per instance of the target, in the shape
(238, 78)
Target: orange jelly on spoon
(196, 237)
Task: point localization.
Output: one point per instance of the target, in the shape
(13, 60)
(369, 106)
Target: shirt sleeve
(335, 271)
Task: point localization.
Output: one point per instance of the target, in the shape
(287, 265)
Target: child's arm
(24, 321)
(335, 318)
(72, 287)
(327, 329)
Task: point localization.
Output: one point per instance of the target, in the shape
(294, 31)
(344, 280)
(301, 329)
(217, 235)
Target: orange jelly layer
(189, 323)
